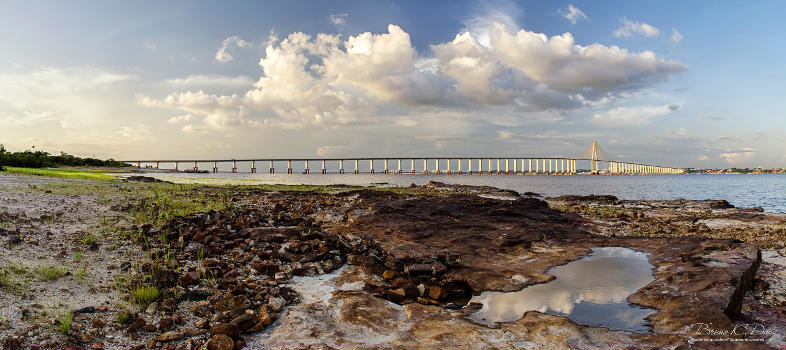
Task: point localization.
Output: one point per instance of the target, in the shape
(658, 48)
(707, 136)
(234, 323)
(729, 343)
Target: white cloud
(326, 80)
(27, 117)
(631, 116)
(233, 41)
(629, 28)
(703, 157)
(339, 20)
(180, 118)
(332, 151)
(676, 37)
(573, 14)
(682, 132)
(199, 80)
(738, 156)
(151, 45)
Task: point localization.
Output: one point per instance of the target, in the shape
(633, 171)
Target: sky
(675, 83)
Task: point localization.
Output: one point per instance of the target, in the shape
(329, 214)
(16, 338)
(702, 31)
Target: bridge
(436, 165)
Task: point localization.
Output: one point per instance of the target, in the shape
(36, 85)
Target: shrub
(144, 295)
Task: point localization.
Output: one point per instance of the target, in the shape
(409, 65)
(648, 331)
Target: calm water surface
(591, 290)
(766, 191)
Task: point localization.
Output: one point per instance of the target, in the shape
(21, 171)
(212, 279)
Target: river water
(767, 191)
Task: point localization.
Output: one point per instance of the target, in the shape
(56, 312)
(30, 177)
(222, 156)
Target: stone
(389, 274)
(418, 270)
(244, 321)
(137, 324)
(166, 324)
(169, 336)
(97, 323)
(396, 295)
(220, 342)
(421, 289)
(202, 323)
(276, 304)
(437, 293)
(230, 330)
(97, 346)
(189, 278)
(423, 301)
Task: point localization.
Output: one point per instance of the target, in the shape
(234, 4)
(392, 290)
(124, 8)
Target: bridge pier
(307, 170)
(371, 166)
(234, 166)
(253, 167)
(156, 165)
(175, 165)
(341, 166)
(425, 166)
(412, 166)
(324, 170)
(386, 166)
(215, 167)
(271, 170)
(399, 167)
(357, 171)
(447, 170)
(436, 165)
(289, 167)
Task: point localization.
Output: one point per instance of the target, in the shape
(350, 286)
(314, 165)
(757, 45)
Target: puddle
(591, 290)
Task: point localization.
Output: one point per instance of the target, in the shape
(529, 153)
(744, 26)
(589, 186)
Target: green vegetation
(50, 272)
(65, 173)
(144, 295)
(40, 159)
(64, 320)
(13, 279)
(123, 317)
(159, 204)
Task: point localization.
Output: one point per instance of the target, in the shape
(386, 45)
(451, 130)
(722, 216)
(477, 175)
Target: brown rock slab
(220, 342)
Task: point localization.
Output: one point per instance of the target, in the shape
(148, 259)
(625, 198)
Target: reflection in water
(591, 290)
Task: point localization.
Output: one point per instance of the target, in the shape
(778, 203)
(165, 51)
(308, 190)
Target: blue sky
(676, 83)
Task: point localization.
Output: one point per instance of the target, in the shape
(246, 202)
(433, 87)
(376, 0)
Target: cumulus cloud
(332, 151)
(573, 14)
(326, 79)
(630, 28)
(339, 20)
(233, 41)
(676, 37)
(739, 155)
(631, 116)
(199, 80)
(180, 118)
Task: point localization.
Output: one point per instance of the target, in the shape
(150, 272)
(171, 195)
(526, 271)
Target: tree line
(40, 159)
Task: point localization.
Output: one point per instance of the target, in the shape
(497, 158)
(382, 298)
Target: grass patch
(123, 317)
(50, 272)
(66, 173)
(144, 295)
(64, 320)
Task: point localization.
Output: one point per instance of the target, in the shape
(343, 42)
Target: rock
(418, 270)
(196, 294)
(86, 310)
(97, 323)
(137, 324)
(202, 323)
(169, 336)
(396, 295)
(230, 330)
(423, 301)
(189, 278)
(276, 304)
(220, 342)
(421, 289)
(239, 344)
(244, 321)
(14, 239)
(437, 293)
(389, 274)
(97, 346)
(165, 324)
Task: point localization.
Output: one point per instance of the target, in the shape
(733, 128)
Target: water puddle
(591, 290)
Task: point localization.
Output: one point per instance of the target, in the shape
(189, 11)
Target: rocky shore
(362, 268)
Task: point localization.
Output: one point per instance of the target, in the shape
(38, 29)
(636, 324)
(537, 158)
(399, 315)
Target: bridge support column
(289, 167)
(425, 166)
(459, 166)
(196, 168)
(306, 170)
(412, 166)
(357, 171)
(253, 167)
(386, 167)
(324, 170)
(156, 165)
(447, 170)
(469, 166)
(271, 169)
(234, 166)
(215, 167)
(436, 166)
(341, 166)
(507, 168)
(399, 167)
